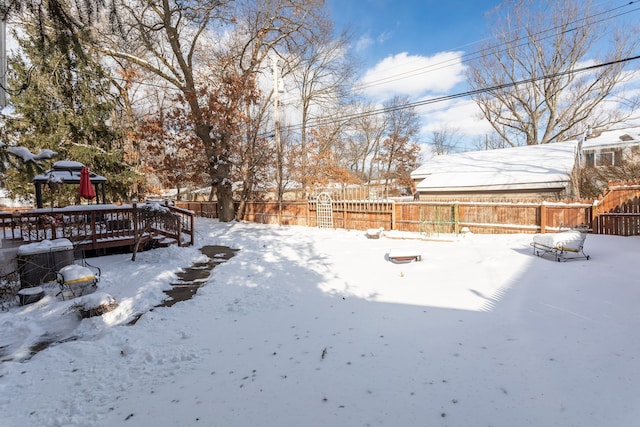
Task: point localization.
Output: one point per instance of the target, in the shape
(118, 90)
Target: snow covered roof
(613, 139)
(66, 171)
(524, 168)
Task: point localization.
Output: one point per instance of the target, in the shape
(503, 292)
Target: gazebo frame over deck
(68, 172)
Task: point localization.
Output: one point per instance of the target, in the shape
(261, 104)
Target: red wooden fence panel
(416, 216)
(618, 211)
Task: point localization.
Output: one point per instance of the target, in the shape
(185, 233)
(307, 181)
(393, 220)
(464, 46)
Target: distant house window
(618, 158)
(589, 160)
(603, 158)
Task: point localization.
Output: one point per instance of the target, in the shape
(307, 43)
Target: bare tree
(268, 34)
(171, 40)
(365, 135)
(530, 88)
(322, 75)
(253, 155)
(165, 38)
(399, 151)
(444, 139)
(490, 141)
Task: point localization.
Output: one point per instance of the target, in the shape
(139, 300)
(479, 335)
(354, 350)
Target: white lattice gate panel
(324, 211)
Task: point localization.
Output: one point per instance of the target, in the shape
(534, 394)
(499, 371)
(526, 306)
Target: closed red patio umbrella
(86, 190)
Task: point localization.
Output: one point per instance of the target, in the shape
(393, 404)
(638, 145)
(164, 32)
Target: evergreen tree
(66, 105)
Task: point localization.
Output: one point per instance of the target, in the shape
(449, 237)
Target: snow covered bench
(564, 245)
(404, 255)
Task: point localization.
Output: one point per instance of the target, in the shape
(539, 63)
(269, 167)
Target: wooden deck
(101, 227)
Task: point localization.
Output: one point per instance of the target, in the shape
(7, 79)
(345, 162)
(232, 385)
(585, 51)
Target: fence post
(543, 218)
(595, 217)
(456, 218)
(393, 214)
(307, 214)
(344, 211)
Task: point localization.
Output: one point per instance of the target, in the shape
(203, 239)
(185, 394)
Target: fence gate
(324, 211)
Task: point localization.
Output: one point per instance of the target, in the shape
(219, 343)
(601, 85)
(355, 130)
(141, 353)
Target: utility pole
(3, 53)
(276, 120)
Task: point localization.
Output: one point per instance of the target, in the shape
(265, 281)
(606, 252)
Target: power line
(320, 122)
(437, 66)
(346, 118)
(479, 54)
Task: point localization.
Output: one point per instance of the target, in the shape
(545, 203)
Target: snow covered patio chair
(564, 245)
(77, 280)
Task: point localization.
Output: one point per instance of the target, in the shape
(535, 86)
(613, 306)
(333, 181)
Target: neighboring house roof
(545, 166)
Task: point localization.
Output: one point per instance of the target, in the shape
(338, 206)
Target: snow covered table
(404, 255)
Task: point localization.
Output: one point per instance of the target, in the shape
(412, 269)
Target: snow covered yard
(313, 327)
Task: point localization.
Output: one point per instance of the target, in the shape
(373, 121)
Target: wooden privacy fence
(422, 217)
(495, 218)
(616, 212)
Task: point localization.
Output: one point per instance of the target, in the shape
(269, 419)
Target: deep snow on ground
(315, 327)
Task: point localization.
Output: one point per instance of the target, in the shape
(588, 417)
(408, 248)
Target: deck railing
(99, 226)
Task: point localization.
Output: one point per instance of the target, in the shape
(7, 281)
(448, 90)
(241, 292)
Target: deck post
(179, 230)
(191, 230)
(134, 211)
(94, 234)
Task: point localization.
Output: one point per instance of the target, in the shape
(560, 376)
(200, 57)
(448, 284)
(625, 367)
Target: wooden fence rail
(619, 224)
(422, 217)
(616, 212)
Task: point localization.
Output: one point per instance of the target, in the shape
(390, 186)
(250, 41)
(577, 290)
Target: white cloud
(413, 75)
(424, 77)
(461, 114)
(383, 37)
(363, 43)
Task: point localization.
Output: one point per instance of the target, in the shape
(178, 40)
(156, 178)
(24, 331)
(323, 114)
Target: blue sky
(418, 27)
(415, 48)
